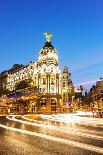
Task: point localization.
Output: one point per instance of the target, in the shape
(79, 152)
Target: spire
(48, 36)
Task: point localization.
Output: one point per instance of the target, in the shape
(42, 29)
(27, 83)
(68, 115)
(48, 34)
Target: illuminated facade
(67, 87)
(3, 79)
(49, 74)
(45, 73)
(22, 73)
(46, 76)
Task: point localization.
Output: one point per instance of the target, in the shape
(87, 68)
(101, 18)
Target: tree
(23, 84)
(26, 86)
(4, 92)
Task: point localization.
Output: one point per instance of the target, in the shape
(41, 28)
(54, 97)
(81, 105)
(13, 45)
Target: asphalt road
(62, 134)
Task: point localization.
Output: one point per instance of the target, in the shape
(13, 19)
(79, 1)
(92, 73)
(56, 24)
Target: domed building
(48, 69)
(49, 75)
(52, 84)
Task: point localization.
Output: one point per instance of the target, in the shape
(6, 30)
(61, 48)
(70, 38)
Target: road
(57, 134)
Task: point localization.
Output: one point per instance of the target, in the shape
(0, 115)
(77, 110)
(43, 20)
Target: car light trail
(56, 128)
(57, 139)
(61, 127)
(74, 119)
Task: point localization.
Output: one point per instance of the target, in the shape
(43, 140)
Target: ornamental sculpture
(48, 36)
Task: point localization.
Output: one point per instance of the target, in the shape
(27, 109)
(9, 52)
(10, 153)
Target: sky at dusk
(76, 25)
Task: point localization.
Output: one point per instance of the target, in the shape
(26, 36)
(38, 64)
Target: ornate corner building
(67, 87)
(46, 76)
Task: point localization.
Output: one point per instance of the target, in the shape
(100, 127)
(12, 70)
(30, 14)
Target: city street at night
(51, 77)
(56, 134)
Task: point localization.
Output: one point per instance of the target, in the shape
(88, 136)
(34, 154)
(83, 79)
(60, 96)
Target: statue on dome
(48, 36)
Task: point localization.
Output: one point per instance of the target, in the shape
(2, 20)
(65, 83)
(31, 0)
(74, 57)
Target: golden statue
(48, 36)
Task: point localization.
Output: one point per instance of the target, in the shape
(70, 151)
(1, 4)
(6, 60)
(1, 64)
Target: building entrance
(53, 104)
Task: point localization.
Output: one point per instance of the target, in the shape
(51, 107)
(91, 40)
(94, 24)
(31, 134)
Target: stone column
(49, 83)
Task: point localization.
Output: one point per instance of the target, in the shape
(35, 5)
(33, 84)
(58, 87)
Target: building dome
(48, 55)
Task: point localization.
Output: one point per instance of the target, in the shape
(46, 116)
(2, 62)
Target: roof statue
(48, 36)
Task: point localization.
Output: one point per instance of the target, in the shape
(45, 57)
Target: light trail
(65, 130)
(69, 128)
(57, 139)
(74, 119)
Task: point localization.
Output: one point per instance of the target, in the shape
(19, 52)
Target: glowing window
(44, 80)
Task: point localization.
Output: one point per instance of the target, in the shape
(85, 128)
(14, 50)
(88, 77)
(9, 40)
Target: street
(56, 134)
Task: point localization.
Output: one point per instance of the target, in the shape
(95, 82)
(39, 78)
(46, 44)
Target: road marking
(57, 139)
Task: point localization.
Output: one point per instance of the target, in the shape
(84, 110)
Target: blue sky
(76, 25)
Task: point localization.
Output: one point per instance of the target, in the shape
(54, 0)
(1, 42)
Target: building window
(101, 91)
(52, 80)
(52, 90)
(63, 77)
(43, 102)
(63, 84)
(44, 80)
(53, 104)
(68, 83)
